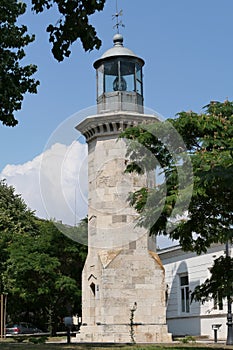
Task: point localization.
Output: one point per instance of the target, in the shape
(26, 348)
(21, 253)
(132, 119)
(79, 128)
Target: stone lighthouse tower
(123, 288)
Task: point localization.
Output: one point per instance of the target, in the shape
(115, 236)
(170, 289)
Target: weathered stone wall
(111, 219)
(122, 278)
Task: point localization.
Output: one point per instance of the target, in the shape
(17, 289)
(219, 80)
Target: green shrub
(188, 339)
(38, 340)
(19, 339)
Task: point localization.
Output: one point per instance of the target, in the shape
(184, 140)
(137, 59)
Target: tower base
(125, 333)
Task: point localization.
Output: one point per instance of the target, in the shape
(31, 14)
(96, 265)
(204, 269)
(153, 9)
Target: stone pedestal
(122, 334)
(113, 284)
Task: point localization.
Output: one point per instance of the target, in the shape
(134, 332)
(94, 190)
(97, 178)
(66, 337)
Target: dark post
(5, 315)
(2, 316)
(216, 327)
(229, 310)
(68, 323)
(215, 335)
(68, 335)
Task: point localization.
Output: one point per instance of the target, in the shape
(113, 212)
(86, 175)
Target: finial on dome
(118, 40)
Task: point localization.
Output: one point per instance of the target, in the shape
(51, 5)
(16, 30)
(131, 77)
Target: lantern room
(119, 79)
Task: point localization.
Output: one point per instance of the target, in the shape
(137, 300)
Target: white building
(183, 272)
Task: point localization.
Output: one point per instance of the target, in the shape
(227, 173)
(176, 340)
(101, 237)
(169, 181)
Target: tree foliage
(219, 285)
(15, 79)
(208, 138)
(44, 274)
(72, 25)
(15, 219)
(40, 267)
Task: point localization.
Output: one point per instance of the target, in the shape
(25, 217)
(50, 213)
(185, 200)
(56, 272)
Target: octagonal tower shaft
(112, 221)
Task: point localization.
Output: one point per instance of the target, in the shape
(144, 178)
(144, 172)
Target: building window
(184, 293)
(218, 303)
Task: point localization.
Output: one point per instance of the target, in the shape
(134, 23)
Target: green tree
(208, 138)
(40, 267)
(15, 220)
(219, 285)
(43, 274)
(15, 79)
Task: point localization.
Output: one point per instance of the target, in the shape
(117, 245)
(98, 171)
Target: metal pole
(5, 316)
(68, 335)
(2, 315)
(229, 310)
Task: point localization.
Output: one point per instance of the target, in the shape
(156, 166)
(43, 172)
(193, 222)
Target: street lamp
(229, 310)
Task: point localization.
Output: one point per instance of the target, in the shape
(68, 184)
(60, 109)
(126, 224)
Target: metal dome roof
(117, 50)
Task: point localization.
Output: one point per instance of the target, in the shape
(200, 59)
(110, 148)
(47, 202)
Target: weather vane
(116, 16)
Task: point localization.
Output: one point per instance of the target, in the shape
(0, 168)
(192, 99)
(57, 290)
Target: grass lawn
(11, 345)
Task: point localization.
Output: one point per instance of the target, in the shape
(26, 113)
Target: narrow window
(100, 80)
(184, 293)
(92, 285)
(139, 79)
(166, 294)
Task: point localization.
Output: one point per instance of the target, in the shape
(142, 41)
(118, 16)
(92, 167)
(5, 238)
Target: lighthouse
(123, 285)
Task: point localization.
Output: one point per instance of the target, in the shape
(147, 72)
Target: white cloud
(54, 184)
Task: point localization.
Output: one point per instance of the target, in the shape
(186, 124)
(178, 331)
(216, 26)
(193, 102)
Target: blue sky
(187, 47)
(188, 51)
